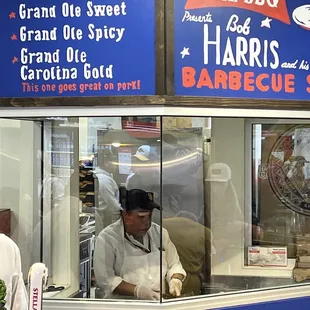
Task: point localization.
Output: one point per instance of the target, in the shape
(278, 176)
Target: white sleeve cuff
(114, 283)
(175, 269)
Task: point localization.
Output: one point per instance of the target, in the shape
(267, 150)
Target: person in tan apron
(194, 245)
(127, 253)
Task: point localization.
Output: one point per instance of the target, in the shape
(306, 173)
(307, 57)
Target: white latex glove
(175, 287)
(144, 293)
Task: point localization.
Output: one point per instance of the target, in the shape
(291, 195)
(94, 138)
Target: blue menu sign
(77, 48)
(242, 48)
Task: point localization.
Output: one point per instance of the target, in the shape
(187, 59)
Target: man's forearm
(179, 276)
(125, 288)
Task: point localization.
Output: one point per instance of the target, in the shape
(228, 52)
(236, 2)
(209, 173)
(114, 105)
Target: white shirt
(109, 254)
(128, 178)
(10, 272)
(108, 191)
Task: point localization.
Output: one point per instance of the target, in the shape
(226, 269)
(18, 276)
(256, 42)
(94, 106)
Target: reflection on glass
(127, 253)
(145, 173)
(281, 208)
(226, 219)
(19, 185)
(183, 201)
(125, 150)
(106, 190)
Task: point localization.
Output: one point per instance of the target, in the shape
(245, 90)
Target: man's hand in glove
(144, 293)
(175, 287)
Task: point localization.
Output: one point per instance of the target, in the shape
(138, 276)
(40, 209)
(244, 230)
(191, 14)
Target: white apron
(144, 269)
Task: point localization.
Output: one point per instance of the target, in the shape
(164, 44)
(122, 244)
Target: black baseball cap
(137, 199)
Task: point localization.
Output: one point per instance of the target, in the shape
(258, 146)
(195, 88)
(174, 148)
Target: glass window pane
(91, 197)
(81, 193)
(20, 146)
(184, 217)
(281, 208)
(127, 256)
(235, 202)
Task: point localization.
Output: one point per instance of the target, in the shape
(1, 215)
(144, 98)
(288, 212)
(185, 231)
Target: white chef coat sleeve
(128, 178)
(173, 260)
(104, 261)
(109, 194)
(19, 292)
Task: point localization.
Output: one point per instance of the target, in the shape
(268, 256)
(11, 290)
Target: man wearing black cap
(127, 253)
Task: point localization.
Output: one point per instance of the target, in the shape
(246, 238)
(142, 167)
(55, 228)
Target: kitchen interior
(71, 147)
(53, 159)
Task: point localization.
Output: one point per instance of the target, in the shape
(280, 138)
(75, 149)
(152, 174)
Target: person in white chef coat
(127, 253)
(16, 297)
(107, 191)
